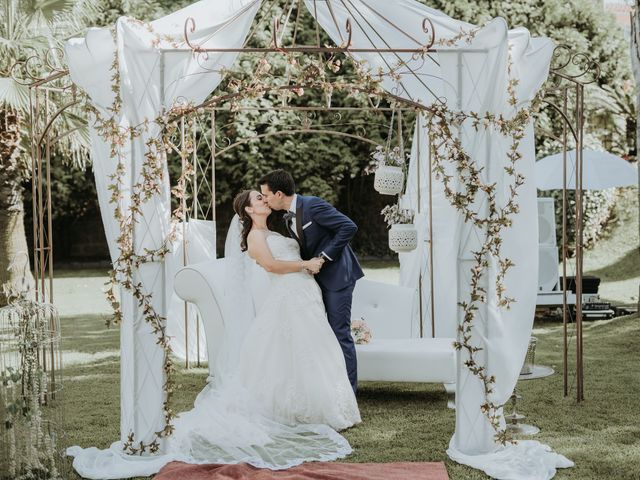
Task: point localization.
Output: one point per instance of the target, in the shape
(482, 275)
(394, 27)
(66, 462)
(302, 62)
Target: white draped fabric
(154, 75)
(469, 75)
(445, 248)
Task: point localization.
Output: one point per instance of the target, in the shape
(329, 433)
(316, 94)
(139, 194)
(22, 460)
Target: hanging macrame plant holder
(389, 179)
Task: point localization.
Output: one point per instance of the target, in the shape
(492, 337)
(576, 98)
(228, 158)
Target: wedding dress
(277, 404)
(290, 389)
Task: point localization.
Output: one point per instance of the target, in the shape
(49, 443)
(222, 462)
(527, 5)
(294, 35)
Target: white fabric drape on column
(469, 76)
(446, 224)
(154, 75)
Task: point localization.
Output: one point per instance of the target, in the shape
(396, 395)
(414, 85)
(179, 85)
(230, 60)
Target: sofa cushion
(389, 310)
(407, 360)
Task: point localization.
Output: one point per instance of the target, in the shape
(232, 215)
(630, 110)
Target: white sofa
(198, 284)
(394, 353)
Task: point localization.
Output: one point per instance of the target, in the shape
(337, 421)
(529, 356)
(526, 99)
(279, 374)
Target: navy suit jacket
(322, 228)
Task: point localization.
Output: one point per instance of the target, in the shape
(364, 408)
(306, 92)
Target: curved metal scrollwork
(566, 59)
(190, 26)
(429, 28)
(350, 33)
(38, 67)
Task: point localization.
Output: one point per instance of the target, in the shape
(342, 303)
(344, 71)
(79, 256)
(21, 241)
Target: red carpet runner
(308, 471)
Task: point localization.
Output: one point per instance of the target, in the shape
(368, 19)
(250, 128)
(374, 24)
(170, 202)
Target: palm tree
(28, 28)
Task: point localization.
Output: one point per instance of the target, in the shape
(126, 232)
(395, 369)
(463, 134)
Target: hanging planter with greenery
(403, 235)
(388, 164)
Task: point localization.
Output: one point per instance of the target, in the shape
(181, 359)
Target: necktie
(288, 220)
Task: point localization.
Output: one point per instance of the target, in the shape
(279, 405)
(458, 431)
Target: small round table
(514, 419)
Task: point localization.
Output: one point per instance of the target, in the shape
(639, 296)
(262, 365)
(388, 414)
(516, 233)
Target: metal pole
(50, 250)
(194, 214)
(41, 260)
(43, 246)
(34, 109)
(565, 345)
(579, 240)
(431, 276)
(49, 236)
(419, 209)
(183, 208)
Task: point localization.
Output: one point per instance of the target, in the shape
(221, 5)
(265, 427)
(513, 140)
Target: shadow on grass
(88, 334)
(625, 268)
(401, 392)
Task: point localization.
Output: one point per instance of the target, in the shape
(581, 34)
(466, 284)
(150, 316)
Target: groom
(321, 231)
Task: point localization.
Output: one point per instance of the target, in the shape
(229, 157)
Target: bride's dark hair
(243, 200)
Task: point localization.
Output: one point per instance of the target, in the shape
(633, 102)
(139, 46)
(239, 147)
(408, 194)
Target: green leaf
(47, 9)
(14, 94)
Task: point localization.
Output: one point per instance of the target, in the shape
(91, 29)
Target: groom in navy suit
(322, 231)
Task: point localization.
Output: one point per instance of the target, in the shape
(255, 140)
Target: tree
(28, 29)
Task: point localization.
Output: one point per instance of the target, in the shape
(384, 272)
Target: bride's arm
(260, 252)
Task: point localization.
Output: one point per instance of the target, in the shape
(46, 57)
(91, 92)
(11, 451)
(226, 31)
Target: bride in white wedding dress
(281, 389)
(289, 390)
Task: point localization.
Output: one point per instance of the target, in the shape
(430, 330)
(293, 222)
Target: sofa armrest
(203, 285)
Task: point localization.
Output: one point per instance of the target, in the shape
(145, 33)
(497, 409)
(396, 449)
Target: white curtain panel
(468, 76)
(446, 223)
(153, 75)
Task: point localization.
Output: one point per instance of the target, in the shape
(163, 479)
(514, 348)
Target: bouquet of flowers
(393, 215)
(360, 331)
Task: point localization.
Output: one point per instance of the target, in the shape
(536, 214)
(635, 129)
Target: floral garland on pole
(128, 261)
(493, 224)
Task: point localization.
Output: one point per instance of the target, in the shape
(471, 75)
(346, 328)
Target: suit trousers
(338, 305)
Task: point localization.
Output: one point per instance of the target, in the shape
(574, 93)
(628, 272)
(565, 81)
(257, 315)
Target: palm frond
(45, 10)
(14, 94)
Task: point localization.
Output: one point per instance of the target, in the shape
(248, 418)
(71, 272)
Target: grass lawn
(408, 422)
(616, 257)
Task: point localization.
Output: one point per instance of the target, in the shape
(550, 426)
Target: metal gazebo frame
(41, 120)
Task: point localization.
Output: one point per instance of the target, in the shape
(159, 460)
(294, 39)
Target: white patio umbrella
(600, 170)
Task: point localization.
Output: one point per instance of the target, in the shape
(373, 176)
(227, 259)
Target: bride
(281, 403)
(281, 390)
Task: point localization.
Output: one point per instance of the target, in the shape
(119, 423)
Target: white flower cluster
(385, 156)
(393, 215)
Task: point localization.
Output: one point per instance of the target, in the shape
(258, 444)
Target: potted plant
(388, 164)
(403, 235)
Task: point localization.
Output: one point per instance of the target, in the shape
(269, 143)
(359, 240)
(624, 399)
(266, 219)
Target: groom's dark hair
(279, 180)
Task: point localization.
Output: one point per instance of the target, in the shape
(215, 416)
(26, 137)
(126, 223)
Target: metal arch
(224, 98)
(564, 117)
(56, 114)
(296, 132)
(562, 84)
(576, 80)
